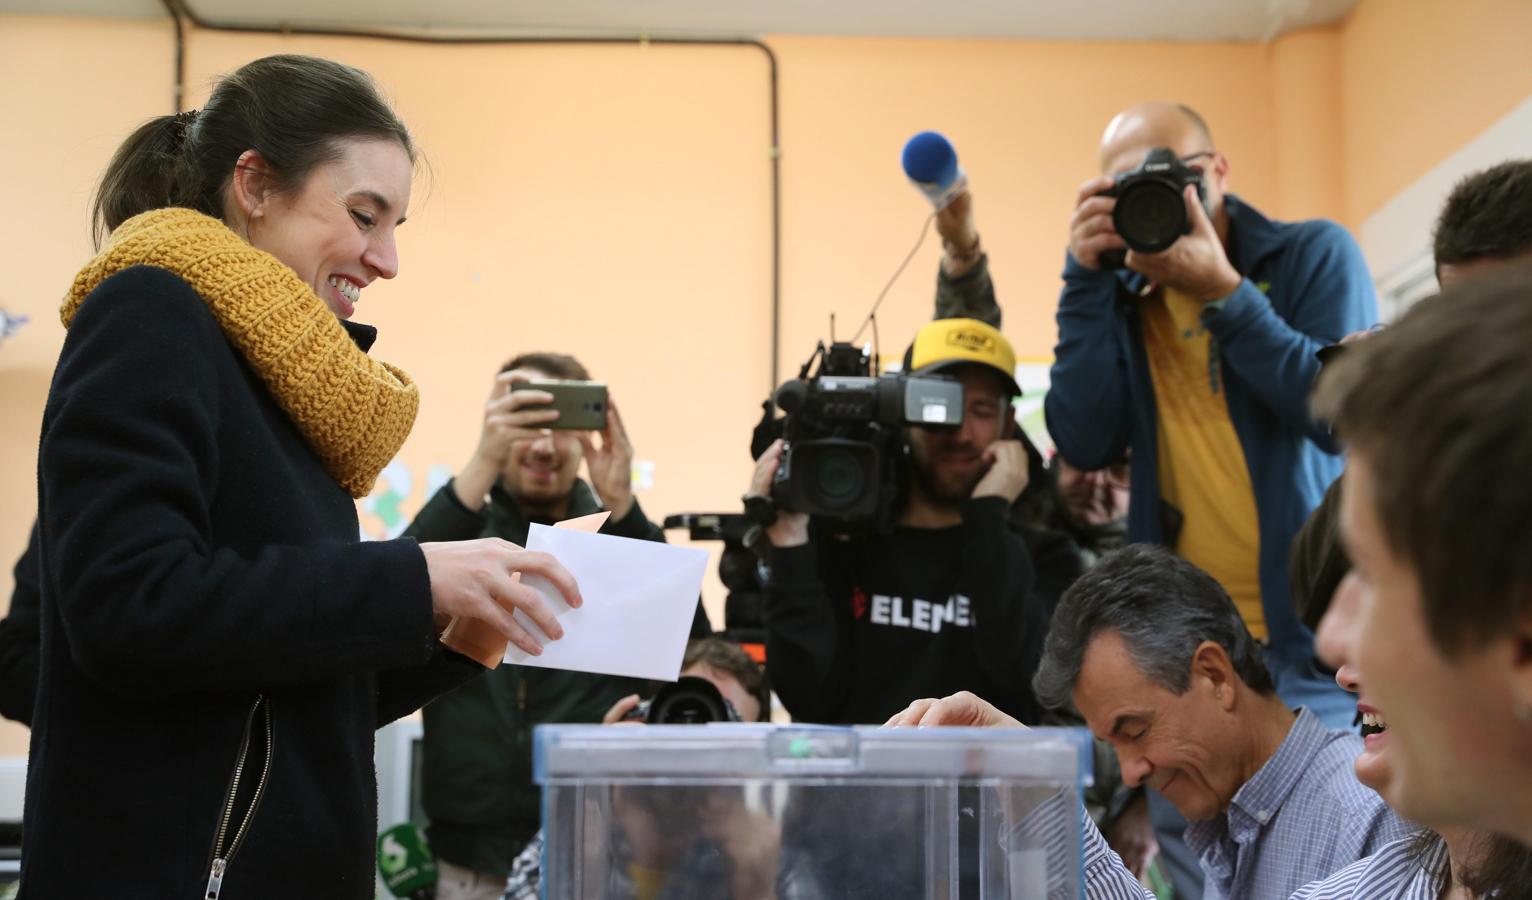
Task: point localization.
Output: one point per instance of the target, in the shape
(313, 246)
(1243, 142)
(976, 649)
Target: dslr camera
(687, 701)
(843, 434)
(1151, 213)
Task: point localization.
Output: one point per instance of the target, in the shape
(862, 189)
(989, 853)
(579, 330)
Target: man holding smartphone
(476, 779)
(535, 459)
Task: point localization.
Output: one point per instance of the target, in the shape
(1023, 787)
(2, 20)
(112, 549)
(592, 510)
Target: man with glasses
(1198, 359)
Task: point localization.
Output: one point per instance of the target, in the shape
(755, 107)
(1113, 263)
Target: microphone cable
(925, 229)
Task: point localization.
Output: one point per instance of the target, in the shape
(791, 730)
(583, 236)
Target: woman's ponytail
(143, 174)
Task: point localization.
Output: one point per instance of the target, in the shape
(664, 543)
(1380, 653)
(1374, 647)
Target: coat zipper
(221, 854)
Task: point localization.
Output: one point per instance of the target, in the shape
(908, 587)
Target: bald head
(1133, 132)
(1136, 130)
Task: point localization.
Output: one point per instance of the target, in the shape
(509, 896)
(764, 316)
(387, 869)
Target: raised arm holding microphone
(1088, 506)
(1056, 506)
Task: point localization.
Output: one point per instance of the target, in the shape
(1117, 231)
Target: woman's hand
(476, 579)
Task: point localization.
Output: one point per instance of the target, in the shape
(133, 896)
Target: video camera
(1151, 213)
(843, 434)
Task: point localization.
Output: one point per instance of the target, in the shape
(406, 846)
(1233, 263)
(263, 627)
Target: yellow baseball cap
(945, 343)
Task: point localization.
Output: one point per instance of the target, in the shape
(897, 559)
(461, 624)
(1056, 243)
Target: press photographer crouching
(915, 584)
(719, 683)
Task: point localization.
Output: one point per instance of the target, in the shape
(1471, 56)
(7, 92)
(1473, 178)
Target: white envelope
(640, 598)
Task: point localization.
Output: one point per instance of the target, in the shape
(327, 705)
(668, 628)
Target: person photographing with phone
(477, 786)
(531, 451)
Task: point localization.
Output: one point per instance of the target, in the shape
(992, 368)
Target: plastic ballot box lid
(741, 811)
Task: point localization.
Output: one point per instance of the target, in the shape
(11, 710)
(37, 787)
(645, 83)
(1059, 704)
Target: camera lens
(834, 477)
(690, 701)
(838, 478)
(1150, 216)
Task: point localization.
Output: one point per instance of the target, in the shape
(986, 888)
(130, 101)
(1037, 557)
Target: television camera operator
(907, 577)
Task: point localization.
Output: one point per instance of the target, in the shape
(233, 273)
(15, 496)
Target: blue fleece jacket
(1305, 286)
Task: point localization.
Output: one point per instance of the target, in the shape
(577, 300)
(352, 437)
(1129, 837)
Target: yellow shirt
(647, 881)
(1201, 463)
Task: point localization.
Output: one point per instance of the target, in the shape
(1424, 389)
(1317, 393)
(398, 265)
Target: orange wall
(1308, 124)
(1025, 118)
(63, 114)
(1421, 78)
(614, 201)
(610, 202)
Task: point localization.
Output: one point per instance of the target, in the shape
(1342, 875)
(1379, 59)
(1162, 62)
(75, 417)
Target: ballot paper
(639, 601)
(478, 640)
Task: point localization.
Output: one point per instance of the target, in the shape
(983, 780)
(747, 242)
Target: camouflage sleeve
(968, 296)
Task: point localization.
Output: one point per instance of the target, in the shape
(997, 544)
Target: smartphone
(581, 404)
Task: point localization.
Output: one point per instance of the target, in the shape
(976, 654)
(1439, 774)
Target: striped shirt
(1397, 872)
(1303, 816)
(526, 879)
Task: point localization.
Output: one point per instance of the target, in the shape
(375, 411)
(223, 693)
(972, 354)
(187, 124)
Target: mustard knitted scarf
(354, 411)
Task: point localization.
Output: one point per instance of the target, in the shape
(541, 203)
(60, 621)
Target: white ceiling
(1095, 20)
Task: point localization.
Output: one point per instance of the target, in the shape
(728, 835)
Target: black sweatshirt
(858, 628)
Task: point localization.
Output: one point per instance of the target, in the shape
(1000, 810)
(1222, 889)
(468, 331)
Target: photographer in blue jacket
(1200, 358)
(1188, 328)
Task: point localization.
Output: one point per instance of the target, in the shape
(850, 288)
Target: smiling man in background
(1153, 653)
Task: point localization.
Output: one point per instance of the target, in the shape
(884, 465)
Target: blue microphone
(932, 164)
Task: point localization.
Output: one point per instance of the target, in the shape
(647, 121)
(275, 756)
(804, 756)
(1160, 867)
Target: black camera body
(688, 701)
(1151, 213)
(843, 436)
(744, 620)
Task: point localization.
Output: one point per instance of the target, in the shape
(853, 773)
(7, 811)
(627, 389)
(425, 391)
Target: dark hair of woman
(1501, 869)
(292, 110)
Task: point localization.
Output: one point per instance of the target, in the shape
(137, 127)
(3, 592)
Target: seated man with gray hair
(1154, 654)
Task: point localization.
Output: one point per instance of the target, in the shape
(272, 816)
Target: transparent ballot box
(748, 812)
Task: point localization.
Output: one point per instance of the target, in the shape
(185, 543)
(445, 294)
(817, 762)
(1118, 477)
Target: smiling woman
(217, 647)
(337, 230)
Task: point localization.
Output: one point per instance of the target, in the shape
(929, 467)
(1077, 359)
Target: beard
(944, 483)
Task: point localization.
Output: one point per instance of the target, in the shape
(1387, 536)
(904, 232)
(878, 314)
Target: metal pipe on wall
(181, 13)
